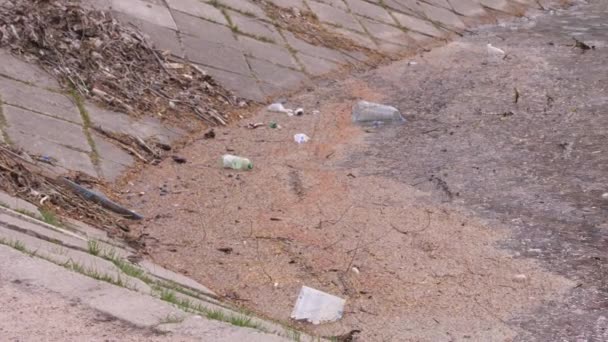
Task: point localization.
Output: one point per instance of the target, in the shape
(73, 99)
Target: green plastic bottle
(235, 162)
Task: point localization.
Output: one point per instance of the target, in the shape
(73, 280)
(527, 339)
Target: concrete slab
(67, 159)
(16, 203)
(317, 66)
(198, 8)
(313, 50)
(275, 75)
(60, 255)
(336, 3)
(360, 38)
(91, 233)
(18, 69)
(334, 16)
(271, 52)
(405, 6)
(440, 3)
(369, 10)
(387, 33)
(145, 127)
(177, 278)
(108, 151)
(255, 27)
(152, 13)
(243, 86)
(418, 25)
(55, 236)
(290, 4)
(443, 16)
(246, 7)
(197, 326)
(113, 160)
(39, 100)
(501, 5)
(133, 307)
(205, 30)
(215, 55)
(55, 130)
(469, 8)
(161, 37)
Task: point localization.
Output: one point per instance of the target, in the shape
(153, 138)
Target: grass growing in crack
(171, 319)
(18, 245)
(86, 121)
(94, 248)
(236, 30)
(70, 265)
(28, 213)
(49, 217)
(126, 267)
(93, 273)
(215, 314)
(294, 335)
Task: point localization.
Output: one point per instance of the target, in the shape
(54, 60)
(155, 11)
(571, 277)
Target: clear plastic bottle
(235, 162)
(365, 111)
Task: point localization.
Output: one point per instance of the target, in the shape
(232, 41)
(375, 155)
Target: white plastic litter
(301, 138)
(494, 51)
(317, 307)
(277, 107)
(369, 112)
(299, 111)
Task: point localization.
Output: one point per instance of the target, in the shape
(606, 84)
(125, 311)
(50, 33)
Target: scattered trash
(273, 124)
(277, 107)
(494, 51)
(45, 159)
(179, 160)
(316, 306)
(299, 112)
(235, 162)
(412, 63)
(365, 111)
(584, 47)
(301, 138)
(174, 65)
(255, 125)
(520, 278)
(210, 134)
(356, 270)
(348, 337)
(100, 199)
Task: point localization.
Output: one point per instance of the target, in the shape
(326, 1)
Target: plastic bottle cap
(250, 166)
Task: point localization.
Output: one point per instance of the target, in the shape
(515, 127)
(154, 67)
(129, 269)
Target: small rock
(356, 270)
(227, 250)
(179, 160)
(605, 195)
(520, 278)
(210, 134)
